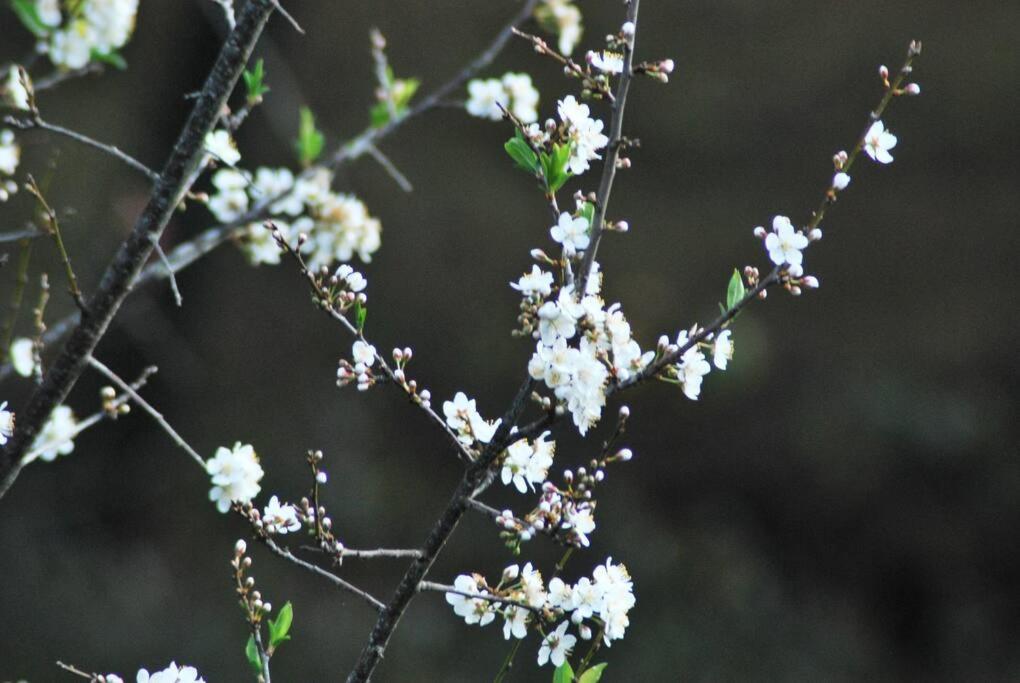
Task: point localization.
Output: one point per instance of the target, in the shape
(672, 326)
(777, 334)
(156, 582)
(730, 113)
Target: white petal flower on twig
(878, 141)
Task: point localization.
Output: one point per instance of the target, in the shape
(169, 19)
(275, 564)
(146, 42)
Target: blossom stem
(612, 154)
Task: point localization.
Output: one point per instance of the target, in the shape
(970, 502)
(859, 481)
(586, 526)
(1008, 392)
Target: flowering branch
(609, 166)
(489, 597)
(120, 276)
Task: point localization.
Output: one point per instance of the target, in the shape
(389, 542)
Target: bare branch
(329, 576)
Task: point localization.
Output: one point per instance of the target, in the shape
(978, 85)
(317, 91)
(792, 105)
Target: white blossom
(363, 353)
(23, 356)
(48, 12)
(722, 350)
(584, 132)
(878, 141)
(473, 610)
(556, 646)
(6, 423)
(526, 465)
(581, 522)
(536, 283)
(516, 623)
(565, 20)
(10, 152)
(785, 244)
(484, 98)
(221, 146)
(340, 227)
(352, 280)
(231, 200)
(270, 183)
(235, 475)
(171, 674)
(571, 232)
(280, 518)
(463, 418)
(56, 436)
(691, 368)
(606, 61)
(523, 96)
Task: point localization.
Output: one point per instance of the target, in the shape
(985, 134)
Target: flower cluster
(171, 674)
(337, 226)
(10, 157)
(604, 600)
(56, 436)
(514, 91)
(235, 473)
(583, 132)
(693, 365)
(562, 18)
(280, 519)
(785, 244)
(363, 356)
(91, 29)
(463, 418)
(526, 464)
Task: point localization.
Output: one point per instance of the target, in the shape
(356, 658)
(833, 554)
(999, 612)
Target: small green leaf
(251, 652)
(360, 313)
(564, 673)
(554, 166)
(254, 82)
(279, 628)
(521, 153)
(29, 16)
(735, 290)
(594, 674)
(113, 58)
(400, 92)
(310, 141)
(588, 211)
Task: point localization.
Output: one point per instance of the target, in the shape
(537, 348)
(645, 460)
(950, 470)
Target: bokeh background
(842, 504)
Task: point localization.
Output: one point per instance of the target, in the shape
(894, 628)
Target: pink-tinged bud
(811, 282)
(760, 232)
(408, 353)
(398, 375)
(840, 181)
(622, 226)
(912, 89)
(589, 56)
(667, 65)
(815, 234)
(628, 28)
(398, 355)
(240, 547)
(585, 632)
(883, 72)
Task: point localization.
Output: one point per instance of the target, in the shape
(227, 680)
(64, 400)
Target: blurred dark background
(842, 504)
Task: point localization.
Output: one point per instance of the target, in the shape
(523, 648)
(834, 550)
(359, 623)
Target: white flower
(531, 584)
(558, 318)
(23, 356)
(560, 595)
(363, 353)
(352, 279)
(342, 227)
(483, 96)
(722, 350)
(516, 623)
(473, 610)
(606, 61)
(280, 518)
(536, 283)
(840, 181)
(14, 93)
(6, 423)
(691, 368)
(878, 141)
(785, 244)
(616, 591)
(481, 429)
(523, 96)
(113, 678)
(171, 674)
(48, 12)
(566, 22)
(571, 111)
(235, 475)
(584, 133)
(55, 438)
(463, 418)
(220, 145)
(526, 465)
(10, 152)
(231, 200)
(582, 522)
(556, 646)
(571, 232)
(270, 183)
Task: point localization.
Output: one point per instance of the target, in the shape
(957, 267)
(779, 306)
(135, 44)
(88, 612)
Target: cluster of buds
(841, 180)
(908, 89)
(594, 82)
(359, 368)
(251, 600)
(340, 291)
(659, 70)
(401, 357)
(114, 406)
(795, 281)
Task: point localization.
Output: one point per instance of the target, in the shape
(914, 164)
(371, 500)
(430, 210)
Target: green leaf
(360, 313)
(588, 211)
(735, 290)
(251, 652)
(310, 141)
(594, 674)
(279, 628)
(400, 92)
(564, 673)
(554, 166)
(113, 58)
(29, 16)
(254, 82)
(521, 153)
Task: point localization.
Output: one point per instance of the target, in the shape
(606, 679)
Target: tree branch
(123, 271)
(329, 576)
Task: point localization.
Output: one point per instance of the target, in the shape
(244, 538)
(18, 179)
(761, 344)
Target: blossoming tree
(583, 354)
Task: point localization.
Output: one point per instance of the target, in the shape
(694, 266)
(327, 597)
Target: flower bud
(795, 270)
(667, 65)
(628, 28)
(840, 181)
(320, 477)
(624, 412)
(511, 572)
(624, 454)
(240, 547)
(815, 234)
(883, 72)
(760, 232)
(912, 89)
(811, 282)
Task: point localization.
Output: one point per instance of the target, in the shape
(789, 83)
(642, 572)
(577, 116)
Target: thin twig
(54, 230)
(122, 272)
(263, 654)
(57, 77)
(442, 588)
(367, 554)
(612, 154)
(391, 168)
(178, 299)
(70, 668)
(329, 576)
(147, 407)
(37, 121)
